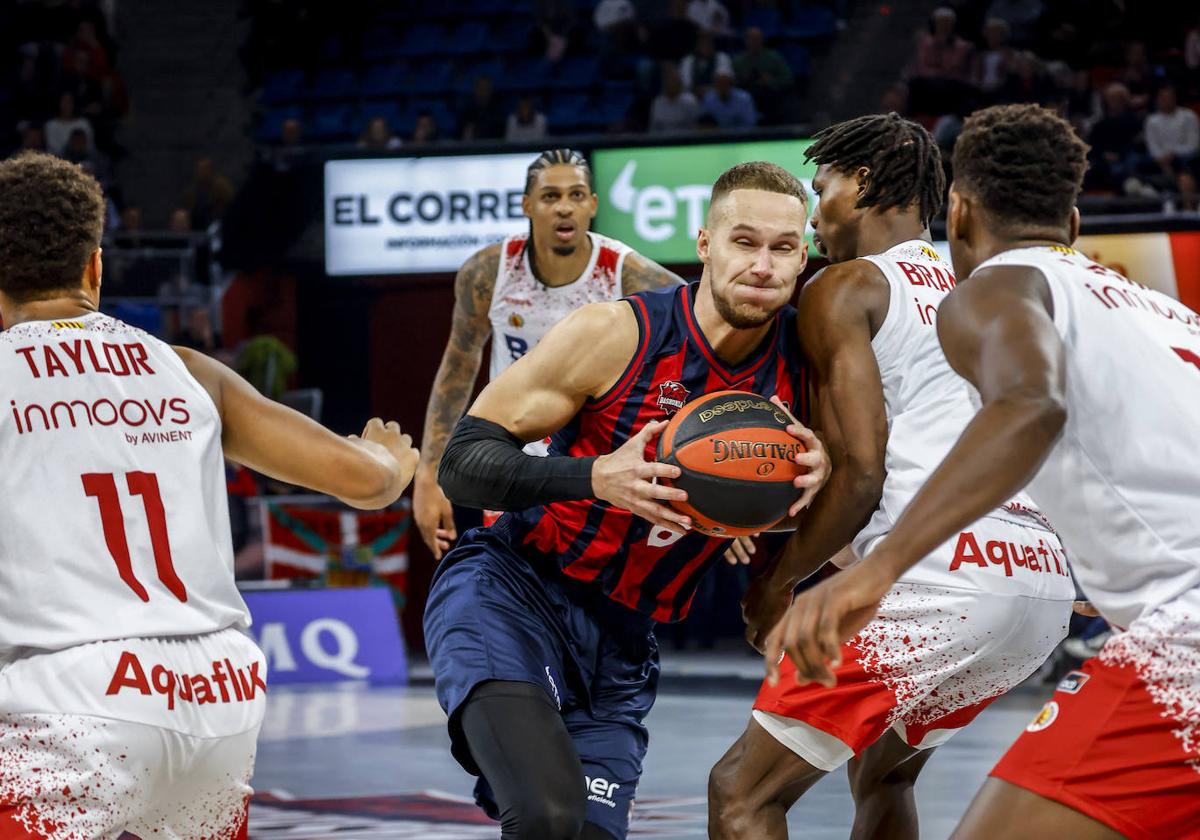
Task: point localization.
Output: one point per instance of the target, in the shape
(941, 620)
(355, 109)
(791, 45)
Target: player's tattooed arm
(452, 386)
(639, 274)
(367, 471)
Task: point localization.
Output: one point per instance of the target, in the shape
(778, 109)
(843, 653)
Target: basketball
(738, 462)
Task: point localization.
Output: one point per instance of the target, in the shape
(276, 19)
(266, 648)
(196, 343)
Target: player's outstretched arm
(639, 274)
(997, 331)
(583, 356)
(838, 310)
(469, 331)
(367, 472)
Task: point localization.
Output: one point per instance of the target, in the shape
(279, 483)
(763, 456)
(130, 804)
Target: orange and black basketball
(738, 462)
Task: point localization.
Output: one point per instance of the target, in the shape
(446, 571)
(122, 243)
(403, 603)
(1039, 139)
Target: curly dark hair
(1024, 163)
(905, 164)
(51, 221)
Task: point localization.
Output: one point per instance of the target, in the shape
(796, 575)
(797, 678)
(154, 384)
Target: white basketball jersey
(1122, 485)
(114, 521)
(524, 309)
(928, 406)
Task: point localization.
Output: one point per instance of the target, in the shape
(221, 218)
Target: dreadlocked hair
(1024, 163)
(557, 157)
(904, 162)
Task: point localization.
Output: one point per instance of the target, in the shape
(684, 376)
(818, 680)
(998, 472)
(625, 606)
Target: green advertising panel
(654, 198)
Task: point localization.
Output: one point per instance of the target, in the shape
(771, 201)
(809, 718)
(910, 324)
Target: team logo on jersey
(1045, 717)
(515, 320)
(68, 325)
(672, 396)
(931, 254)
(1072, 682)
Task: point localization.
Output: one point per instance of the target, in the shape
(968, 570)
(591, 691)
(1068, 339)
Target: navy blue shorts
(492, 615)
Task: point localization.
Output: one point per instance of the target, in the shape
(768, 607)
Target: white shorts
(925, 667)
(152, 736)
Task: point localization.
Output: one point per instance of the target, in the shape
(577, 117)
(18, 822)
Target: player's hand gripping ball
(738, 462)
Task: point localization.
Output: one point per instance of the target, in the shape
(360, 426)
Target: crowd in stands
(519, 70)
(60, 91)
(1126, 75)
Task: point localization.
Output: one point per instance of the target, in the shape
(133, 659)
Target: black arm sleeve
(484, 467)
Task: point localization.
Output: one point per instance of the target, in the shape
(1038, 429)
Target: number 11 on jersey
(103, 488)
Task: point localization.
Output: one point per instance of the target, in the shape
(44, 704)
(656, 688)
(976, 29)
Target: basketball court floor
(353, 761)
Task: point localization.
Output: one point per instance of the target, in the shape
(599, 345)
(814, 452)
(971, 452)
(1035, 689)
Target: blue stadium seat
(575, 73)
(272, 122)
(431, 77)
(381, 43)
(331, 122)
(468, 39)
(568, 114)
(765, 18)
(334, 86)
(798, 58)
(614, 107)
(385, 80)
(283, 86)
(465, 82)
(811, 23)
(526, 74)
(425, 39)
(512, 36)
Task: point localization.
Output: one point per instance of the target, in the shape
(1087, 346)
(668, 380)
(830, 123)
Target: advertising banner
(328, 635)
(413, 215)
(655, 198)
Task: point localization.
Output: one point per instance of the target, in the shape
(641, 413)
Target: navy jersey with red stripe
(652, 570)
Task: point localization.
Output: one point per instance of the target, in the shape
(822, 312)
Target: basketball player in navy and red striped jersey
(513, 292)
(539, 628)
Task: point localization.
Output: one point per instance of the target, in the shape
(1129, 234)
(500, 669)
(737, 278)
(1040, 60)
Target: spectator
(131, 219)
(729, 106)
(1191, 56)
(941, 54)
(180, 221)
(208, 196)
(58, 130)
(1173, 136)
(291, 133)
(1114, 140)
(526, 124)
(1139, 75)
(378, 135)
(701, 65)
(710, 16)
(765, 74)
(941, 72)
(1083, 102)
(80, 152)
(1026, 81)
(996, 60)
(33, 139)
(86, 43)
(671, 37)
(483, 118)
(1021, 16)
(425, 132)
(613, 15)
(675, 109)
(895, 98)
(555, 18)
